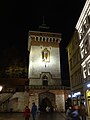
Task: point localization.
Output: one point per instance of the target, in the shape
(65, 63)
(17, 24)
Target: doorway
(46, 99)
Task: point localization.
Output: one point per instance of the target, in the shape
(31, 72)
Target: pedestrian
(83, 112)
(47, 109)
(75, 113)
(33, 110)
(26, 113)
(68, 113)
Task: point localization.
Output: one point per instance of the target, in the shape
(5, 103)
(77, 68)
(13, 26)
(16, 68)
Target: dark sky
(18, 17)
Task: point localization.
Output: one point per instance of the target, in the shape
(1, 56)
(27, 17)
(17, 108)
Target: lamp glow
(1, 88)
(88, 85)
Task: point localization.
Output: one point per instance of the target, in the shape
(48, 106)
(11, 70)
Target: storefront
(78, 99)
(87, 95)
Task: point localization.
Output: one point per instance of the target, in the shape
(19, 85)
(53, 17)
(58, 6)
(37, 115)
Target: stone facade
(44, 72)
(44, 58)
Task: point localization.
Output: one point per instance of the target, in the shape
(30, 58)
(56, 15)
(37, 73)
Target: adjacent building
(83, 28)
(74, 60)
(79, 59)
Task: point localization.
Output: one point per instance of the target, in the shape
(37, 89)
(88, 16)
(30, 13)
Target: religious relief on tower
(46, 55)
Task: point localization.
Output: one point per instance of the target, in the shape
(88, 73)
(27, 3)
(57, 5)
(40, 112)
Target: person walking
(75, 113)
(83, 112)
(68, 113)
(33, 110)
(26, 113)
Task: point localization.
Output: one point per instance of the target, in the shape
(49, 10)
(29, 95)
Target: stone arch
(46, 99)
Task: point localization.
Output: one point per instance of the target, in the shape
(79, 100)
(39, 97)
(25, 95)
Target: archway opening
(45, 80)
(44, 103)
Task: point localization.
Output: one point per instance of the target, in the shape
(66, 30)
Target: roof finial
(43, 20)
(43, 26)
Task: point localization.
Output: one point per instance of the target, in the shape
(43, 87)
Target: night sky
(18, 17)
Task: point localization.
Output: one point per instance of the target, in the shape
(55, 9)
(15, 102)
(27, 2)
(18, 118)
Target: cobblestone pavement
(42, 116)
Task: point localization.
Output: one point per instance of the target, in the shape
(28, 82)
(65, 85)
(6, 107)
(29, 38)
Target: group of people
(33, 112)
(74, 113)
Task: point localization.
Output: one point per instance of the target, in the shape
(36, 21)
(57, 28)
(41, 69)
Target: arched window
(45, 80)
(46, 55)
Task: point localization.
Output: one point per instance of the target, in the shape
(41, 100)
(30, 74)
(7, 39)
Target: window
(45, 55)
(37, 38)
(71, 65)
(47, 38)
(43, 38)
(50, 39)
(82, 53)
(89, 67)
(40, 38)
(86, 46)
(84, 71)
(45, 80)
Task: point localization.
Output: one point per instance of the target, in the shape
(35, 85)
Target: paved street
(43, 116)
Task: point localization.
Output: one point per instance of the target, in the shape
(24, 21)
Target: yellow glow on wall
(88, 93)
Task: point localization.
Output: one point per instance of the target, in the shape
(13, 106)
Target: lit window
(45, 55)
(89, 68)
(84, 71)
(82, 53)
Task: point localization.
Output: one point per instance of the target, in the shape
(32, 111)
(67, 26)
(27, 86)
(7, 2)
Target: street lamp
(1, 88)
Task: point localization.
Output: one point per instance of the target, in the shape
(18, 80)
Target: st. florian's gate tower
(44, 73)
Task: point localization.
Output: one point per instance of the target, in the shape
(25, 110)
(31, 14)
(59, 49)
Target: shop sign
(76, 94)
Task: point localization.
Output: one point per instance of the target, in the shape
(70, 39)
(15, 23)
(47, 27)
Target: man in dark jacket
(75, 113)
(33, 110)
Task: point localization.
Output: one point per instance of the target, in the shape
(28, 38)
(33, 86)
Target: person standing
(27, 113)
(33, 110)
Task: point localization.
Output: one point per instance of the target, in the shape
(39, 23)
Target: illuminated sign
(76, 94)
